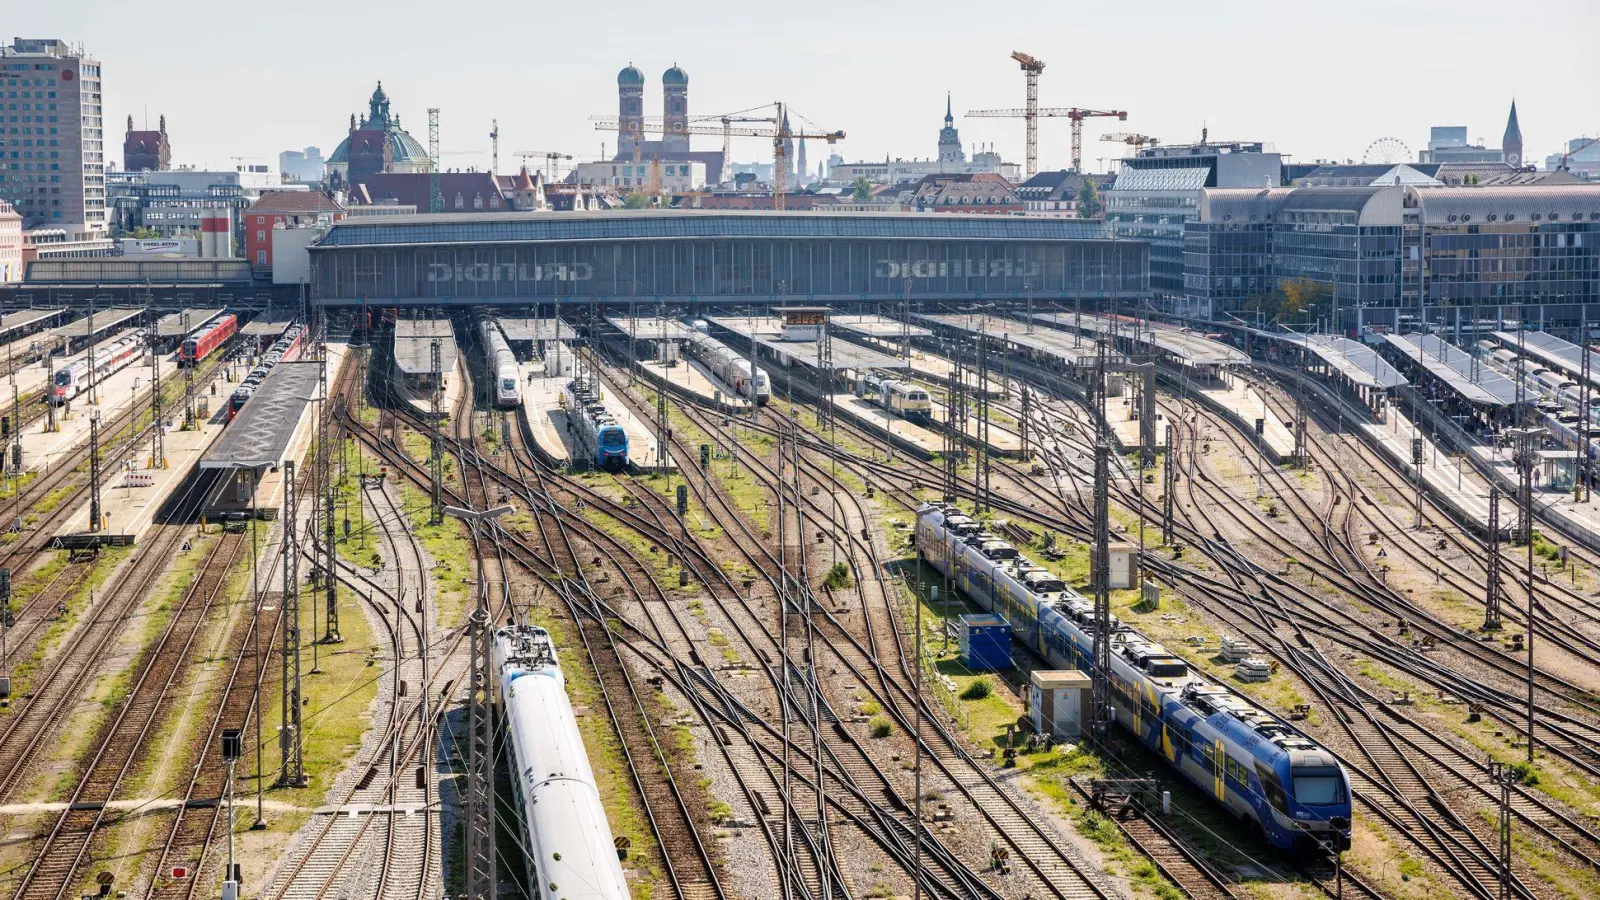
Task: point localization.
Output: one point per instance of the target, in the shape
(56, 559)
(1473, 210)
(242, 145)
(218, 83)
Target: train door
(1219, 760)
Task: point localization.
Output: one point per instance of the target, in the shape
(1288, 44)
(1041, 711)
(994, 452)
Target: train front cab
(611, 448)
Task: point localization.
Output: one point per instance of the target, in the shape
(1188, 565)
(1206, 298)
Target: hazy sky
(1316, 79)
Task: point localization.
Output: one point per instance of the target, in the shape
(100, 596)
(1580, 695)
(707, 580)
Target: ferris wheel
(1387, 151)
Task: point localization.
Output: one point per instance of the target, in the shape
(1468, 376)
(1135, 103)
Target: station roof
(172, 325)
(1352, 359)
(266, 327)
(766, 332)
(878, 326)
(650, 328)
(16, 320)
(1454, 366)
(1191, 348)
(1071, 349)
(104, 320)
(413, 345)
(1562, 354)
(259, 436)
(536, 329)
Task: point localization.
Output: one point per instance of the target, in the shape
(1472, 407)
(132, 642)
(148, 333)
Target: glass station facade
(712, 257)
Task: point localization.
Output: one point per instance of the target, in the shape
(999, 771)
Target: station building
(720, 257)
(1391, 254)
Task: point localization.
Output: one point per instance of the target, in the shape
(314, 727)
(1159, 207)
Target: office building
(302, 166)
(170, 202)
(10, 244)
(1158, 192)
(673, 177)
(54, 140)
(1388, 254)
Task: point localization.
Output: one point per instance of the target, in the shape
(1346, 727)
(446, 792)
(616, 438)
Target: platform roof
(765, 331)
(1049, 341)
(536, 329)
(1195, 349)
(650, 328)
(878, 326)
(259, 436)
(265, 327)
(104, 320)
(413, 345)
(172, 325)
(16, 320)
(1553, 351)
(1357, 362)
(1454, 366)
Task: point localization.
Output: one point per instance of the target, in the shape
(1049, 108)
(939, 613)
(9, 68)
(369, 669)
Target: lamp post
(480, 729)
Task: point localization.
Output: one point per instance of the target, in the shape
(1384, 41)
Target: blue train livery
(1288, 790)
(601, 438)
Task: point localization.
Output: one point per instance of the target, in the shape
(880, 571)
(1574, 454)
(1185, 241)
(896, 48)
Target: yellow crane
(780, 154)
(549, 157)
(1137, 141)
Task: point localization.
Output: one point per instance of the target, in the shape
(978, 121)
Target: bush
(881, 727)
(979, 689)
(838, 577)
(1525, 774)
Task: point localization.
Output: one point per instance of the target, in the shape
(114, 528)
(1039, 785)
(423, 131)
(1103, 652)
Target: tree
(1089, 205)
(1292, 301)
(144, 233)
(636, 201)
(863, 189)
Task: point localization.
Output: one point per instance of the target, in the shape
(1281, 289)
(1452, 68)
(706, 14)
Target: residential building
(1056, 193)
(56, 177)
(284, 209)
(1388, 253)
(144, 150)
(302, 166)
(980, 193)
(10, 244)
(460, 191)
(1158, 192)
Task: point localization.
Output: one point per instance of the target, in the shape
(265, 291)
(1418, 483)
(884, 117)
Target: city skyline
(889, 101)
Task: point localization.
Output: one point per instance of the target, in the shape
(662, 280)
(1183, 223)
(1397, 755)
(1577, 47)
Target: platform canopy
(766, 332)
(413, 345)
(16, 320)
(104, 320)
(1186, 346)
(878, 326)
(1555, 352)
(1472, 379)
(525, 329)
(650, 328)
(1070, 349)
(265, 327)
(172, 324)
(259, 435)
(1357, 362)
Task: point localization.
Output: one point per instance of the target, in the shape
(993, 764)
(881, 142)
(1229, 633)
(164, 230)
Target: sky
(1318, 80)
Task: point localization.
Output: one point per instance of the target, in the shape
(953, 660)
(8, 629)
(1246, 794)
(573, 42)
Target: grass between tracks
(735, 480)
(451, 550)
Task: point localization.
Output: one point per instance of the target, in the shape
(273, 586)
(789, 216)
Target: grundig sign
(480, 272)
(960, 268)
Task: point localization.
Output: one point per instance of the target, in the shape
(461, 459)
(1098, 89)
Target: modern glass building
(1400, 255)
(712, 257)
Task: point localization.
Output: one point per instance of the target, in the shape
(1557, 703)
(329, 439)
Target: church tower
(630, 112)
(802, 171)
(1511, 144)
(675, 113)
(950, 151)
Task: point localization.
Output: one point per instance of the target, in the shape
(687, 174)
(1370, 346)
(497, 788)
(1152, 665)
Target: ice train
(503, 363)
(565, 835)
(1285, 788)
(73, 379)
(733, 369)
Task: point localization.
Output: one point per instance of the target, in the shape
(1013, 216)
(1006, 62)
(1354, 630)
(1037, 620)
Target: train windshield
(613, 437)
(1318, 787)
(64, 377)
(508, 384)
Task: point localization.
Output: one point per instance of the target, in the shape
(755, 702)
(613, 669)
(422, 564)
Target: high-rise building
(55, 140)
(1511, 144)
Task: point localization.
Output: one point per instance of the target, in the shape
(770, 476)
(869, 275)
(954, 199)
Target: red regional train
(205, 342)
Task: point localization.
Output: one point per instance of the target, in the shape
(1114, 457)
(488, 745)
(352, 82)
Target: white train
(73, 379)
(731, 368)
(564, 829)
(503, 363)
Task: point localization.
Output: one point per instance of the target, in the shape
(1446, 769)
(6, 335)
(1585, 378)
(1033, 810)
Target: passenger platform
(689, 378)
(908, 436)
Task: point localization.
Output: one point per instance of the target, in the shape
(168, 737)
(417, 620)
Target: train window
(1208, 750)
(1182, 741)
(1318, 787)
(1148, 709)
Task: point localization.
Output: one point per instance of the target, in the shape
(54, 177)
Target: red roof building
(146, 150)
(284, 209)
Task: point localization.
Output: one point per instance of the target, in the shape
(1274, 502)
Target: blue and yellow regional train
(1285, 788)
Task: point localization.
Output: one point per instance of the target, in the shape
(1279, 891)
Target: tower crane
(613, 123)
(1031, 67)
(1136, 141)
(549, 158)
(494, 144)
(1574, 151)
(1073, 113)
(780, 162)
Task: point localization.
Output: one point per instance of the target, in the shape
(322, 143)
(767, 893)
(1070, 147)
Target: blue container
(985, 642)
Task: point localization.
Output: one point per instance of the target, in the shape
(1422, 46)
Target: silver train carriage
(503, 363)
(731, 368)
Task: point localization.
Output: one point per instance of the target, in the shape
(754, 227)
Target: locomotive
(601, 437)
(1288, 790)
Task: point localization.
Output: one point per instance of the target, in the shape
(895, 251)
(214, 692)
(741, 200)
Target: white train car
(730, 367)
(73, 379)
(503, 363)
(565, 833)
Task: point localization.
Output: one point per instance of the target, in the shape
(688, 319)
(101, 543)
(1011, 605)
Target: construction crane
(1137, 141)
(1076, 115)
(494, 144)
(658, 124)
(780, 161)
(1031, 67)
(612, 123)
(1574, 151)
(549, 158)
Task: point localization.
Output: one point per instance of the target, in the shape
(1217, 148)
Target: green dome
(675, 77)
(630, 76)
